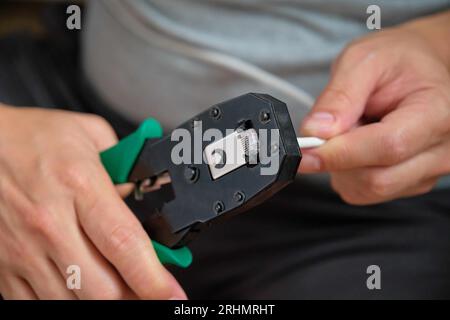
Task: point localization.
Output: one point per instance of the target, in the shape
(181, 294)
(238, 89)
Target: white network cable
(310, 142)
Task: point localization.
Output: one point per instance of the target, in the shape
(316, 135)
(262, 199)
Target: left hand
(386, 113)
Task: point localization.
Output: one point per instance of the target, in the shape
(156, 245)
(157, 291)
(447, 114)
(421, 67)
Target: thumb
(342, 103)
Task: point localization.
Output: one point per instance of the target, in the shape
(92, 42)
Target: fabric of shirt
(168, 59)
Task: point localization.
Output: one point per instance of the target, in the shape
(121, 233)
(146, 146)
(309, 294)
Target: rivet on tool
(218, 207)
(215, 113)
(191, 174)
(239, 196)
(264, 116)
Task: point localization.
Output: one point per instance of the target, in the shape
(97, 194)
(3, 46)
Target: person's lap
(306, 243)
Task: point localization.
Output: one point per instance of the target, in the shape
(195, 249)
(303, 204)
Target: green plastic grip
(181, 257)
(120, 159)
(118, 162)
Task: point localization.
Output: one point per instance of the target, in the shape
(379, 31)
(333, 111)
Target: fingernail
(310, 163)
(319, 122)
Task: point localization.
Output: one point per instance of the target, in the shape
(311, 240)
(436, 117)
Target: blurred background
(40, 61)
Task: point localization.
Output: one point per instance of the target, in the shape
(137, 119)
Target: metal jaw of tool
(256, 155)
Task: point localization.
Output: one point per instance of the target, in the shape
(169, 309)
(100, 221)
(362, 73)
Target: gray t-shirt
(173, 59)
(132, 54)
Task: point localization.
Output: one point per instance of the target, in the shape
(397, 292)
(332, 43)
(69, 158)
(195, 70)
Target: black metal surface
(195, 203)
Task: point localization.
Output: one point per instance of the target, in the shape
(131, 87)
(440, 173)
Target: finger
(413, 127)
(420, 189)
(351, 194)
(342, 103)
(119, 236)
(125, 190)
(47, 282)
(97, 278)
(63, 241)
(15, 288)
(310, 163)
(414, 176)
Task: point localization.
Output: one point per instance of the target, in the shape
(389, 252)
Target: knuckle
(396, 147)
(349, 194)
(344, 193)
(356, 51)
(75, 175)
(339, 96)
(337, 156)
(40, 220)
(98, 120)
(380, 185)
(123, 238)
(100, 123)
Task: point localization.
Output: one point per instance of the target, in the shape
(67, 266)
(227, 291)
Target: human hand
(58, 207)
(386, 113)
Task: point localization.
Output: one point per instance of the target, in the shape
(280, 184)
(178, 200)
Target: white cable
(310, 142)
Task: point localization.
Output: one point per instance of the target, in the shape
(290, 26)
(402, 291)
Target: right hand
(58, 207)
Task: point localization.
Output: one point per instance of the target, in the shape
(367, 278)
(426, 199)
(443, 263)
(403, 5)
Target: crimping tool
(182, 198)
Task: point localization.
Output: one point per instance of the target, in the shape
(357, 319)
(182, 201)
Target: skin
(386, 113)
(58, 207)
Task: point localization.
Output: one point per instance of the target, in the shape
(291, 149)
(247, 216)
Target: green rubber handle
(181, 257)
(120, 159)
(118, 162)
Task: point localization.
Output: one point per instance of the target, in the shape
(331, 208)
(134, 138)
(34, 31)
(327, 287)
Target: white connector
(310, 142)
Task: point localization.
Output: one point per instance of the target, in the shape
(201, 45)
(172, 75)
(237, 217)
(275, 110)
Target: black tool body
(193, 199)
